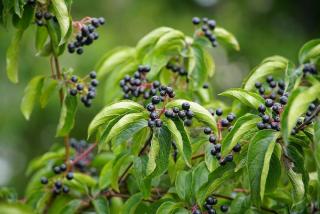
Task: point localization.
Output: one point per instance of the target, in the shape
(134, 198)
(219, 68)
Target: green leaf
(62, 14)
(168, 207)
(215, 180)
(132, 203)
(258, 161)
(41, 38)
(181, 139)
(125, 128)
(112, 111)
(149, 41)
(249, 99)
(241, 127)
(201, 65)
(316, 153)
(139, 172)
(199, 177)
(105, 176)
(298, 103)
(12, 57)
(275, 65)
(84, 179)
(47, 92)
(159, 152)
(168, 46)
(101, 205)
(309, 51)
(31, 93)
(226, 38)
(183, 185)
(200, 113)
(119, 164)
(26, 19)
(297, 190)
(18, 7)
(67, 115)
(71, 207)
(240, 204)
(15, 208)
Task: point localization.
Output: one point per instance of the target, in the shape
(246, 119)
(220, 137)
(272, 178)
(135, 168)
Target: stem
(124, 174)
(315, 113)
(198, 156)
(84, 154)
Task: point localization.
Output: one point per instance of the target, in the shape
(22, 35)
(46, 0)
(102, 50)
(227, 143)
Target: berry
(69, 176)
(261, 90)
(207, 206)
(269, 103)
(73, 92)
(237, 148)
(168, 113)
(280, 91)
(273, 84)
(189, 114)
(151, 123)
(283, 100)
(269, 79)
(218, 156)
(58, 184)
(219, 112)
(212, 24)
(225, 123)
(217, 147)
(47, 16)
(207, 130)
(261, 125)
(93, 75)
(74, 79)
(65, 189)
(196, 211)
(258, 85)
(44, 180)
(205, 86)
(187, 122)
(224, 208)
(212, 139)
(211, 211)
(79, 51)
(273, 96)
(281, 84)
(56, 169)
(229, 158)
(63, 167)
(158, 123)
(155, 100)
(196, 20)
(176, 109)
(265, 118)
(79, 87)
(156, 84)
(150, 107)
(185, 106)
(312, 107)
(213, 151)
(210, 200)
(182, 114)
(39, 23)
(154, 115)
(95, 22)
(101, 20)
(94, 83)
(261, 108)
(231, 117)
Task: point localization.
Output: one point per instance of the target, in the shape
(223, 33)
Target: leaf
(84, 179)
(119, 164)
(199, 177)
(114, 60)
(31, 93)
(227, 38)
(258, 161)
(201, 65)
(15, 208)
(215, 179)
(181, 139)
(168, 207)
(71, 207)
(12, 57)
(47, 92)
(316, 153)
(67, 115)
(62, 14)
(18, 7)
(298, 191)
(41, 38)
(211, 161)
(298, 103)
(241, 127)
(159, 152)
(249, 99)
(112, 111)
(240, 204)
(150, 40)
(200, 113)
(309, 51)
(168, 46)
(101, 205)
(105, 176)
(183, 185)
(125, 128)
(275, 65)
(132, 203)
(139, 173)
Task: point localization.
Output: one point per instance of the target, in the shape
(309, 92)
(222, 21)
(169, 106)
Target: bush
(164, 143)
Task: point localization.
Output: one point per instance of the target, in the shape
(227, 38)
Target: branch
(84, 154)
(198, 156)
(314, 114)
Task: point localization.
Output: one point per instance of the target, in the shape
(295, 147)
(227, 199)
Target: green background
(263, 28)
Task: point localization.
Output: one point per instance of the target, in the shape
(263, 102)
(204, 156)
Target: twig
(314, 114)
(198, 156)
(84, 154)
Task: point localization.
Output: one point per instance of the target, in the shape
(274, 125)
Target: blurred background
(262, 27)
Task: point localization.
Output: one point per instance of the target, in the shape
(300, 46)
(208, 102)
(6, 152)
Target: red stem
(84, 154)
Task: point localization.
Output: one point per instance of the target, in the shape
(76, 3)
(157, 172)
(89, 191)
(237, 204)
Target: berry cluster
(216, 145)
(309, 116)
(42, 17)
(309, 69)
(86, 36)
(84, 88)
(57, 185)
(275, 98)
(184, 113)
(209, 206)
(175, 152)
(138, 85)
(178, 69)
(207, 28)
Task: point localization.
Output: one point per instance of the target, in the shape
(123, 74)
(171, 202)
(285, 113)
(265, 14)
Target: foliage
(158, 146)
